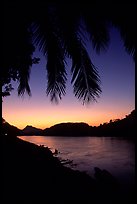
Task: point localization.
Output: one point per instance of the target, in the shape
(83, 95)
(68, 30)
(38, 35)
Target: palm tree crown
(58, 30)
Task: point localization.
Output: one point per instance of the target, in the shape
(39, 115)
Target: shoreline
(32, 172)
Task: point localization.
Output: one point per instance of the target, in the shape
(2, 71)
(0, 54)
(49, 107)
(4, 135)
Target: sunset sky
(117, 73)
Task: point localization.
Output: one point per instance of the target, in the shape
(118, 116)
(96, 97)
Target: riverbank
(31, 172)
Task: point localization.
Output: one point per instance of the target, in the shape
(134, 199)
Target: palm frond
(96, 26)
(24, 87)
(125, 23)
(85, 78)
(24, 61)
(24, 75)
(129, 42)
(47, 37)
(56, 31)
(56, 71)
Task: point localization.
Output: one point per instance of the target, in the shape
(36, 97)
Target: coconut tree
(59, 31)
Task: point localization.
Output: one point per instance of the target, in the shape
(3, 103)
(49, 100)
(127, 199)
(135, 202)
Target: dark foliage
(58, 30)
(119, 128)
(123, 127)
(8, 129)
(68, 129)
(32, 173)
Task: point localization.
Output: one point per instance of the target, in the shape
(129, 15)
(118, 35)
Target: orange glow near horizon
(44, 117)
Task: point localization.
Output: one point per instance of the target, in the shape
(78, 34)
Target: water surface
(117, 155)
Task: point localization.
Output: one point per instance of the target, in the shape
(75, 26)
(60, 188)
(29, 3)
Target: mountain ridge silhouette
(123, 127)
(118, 127)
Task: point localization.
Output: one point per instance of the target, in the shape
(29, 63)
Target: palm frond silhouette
(57, 29)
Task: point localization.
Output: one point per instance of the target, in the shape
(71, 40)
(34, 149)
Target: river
(117, 155)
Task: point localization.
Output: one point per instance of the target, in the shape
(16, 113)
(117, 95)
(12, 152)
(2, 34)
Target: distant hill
(119, 127)
(9, 129)
(68, 129)
(30, 130)
(123, 127)
(12, 130)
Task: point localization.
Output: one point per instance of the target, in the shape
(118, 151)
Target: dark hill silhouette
(119, 127)
(30, 130)
(9, 129)
(68, 129)
(123, 127)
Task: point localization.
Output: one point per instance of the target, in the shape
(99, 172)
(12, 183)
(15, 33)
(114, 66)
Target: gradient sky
(117, 73)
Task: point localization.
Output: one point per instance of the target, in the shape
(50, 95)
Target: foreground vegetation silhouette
(59, 30)
(32, 173)
(125, 127)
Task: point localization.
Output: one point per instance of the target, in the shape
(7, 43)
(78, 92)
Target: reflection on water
(113, 154)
